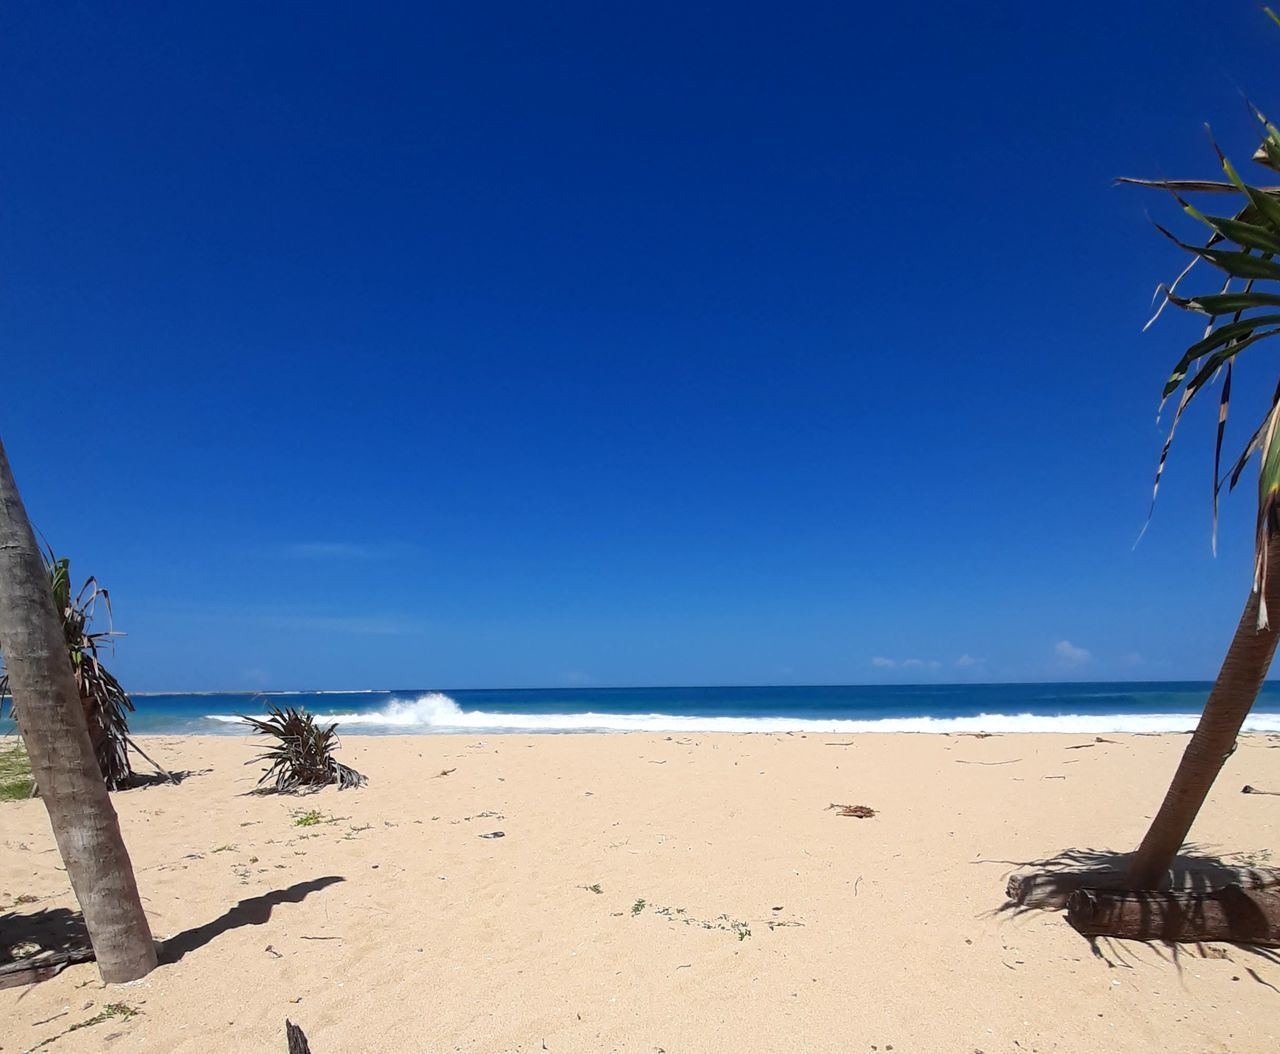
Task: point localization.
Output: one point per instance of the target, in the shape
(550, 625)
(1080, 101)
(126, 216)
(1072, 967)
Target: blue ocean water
(1076, 708)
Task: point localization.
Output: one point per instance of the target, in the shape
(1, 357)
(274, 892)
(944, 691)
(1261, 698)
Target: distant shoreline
(861, 685)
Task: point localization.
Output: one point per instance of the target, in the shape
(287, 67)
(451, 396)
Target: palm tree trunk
(52, 724)
(1239, 681)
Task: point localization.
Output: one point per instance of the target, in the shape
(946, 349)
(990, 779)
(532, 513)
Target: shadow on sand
(143, 780)
(1044, 885)
(55, 931)
(252, 912)
(1040, 885)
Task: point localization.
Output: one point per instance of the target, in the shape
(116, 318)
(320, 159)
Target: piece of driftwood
(1050, 889)
(862, 812)
(41, 967)
(297, 1040)
(1234, 914)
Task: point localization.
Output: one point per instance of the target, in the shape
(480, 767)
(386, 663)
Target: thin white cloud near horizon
(1071, 654)
(342, 550)
(883, 663)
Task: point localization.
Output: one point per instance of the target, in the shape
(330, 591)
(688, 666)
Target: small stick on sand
(862, 812)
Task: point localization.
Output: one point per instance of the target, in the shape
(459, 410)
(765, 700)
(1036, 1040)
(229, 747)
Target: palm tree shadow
(255, 911)
(146, 780)
(1044, 885)
(50, 932)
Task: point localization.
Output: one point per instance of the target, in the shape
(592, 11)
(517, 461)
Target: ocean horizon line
(797, 686)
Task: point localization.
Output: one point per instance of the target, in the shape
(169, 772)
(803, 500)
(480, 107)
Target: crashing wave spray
(436, 712)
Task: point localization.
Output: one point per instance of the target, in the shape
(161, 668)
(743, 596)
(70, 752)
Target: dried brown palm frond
(106, 703)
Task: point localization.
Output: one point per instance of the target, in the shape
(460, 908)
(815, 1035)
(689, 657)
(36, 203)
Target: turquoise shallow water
(1078, 707)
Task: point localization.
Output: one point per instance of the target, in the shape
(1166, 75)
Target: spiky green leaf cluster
(1243, 249)
(302, 755)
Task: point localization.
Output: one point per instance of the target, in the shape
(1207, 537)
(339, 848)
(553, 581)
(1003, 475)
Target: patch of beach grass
(119, 1011)
(15, 773)
(312, 818)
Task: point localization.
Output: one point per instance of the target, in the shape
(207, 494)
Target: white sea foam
(436, 712)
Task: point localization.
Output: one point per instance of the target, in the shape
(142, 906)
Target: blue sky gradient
(483, 345)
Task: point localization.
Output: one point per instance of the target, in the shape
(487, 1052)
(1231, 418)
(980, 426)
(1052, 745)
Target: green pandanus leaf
(1226, 303)
(1268, 152)
(1220, 358)
(1245, 247)
(1202, 377)
(1164, 457)
(1265, 202)
(60, 583)
(1260, 238)
(1268, 506)
(1269, 477)
(1185, 186)
(1236, 264)
(1224, 407)
(1237, 331)
(1252, 447)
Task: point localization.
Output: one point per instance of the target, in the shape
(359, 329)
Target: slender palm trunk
(1233, 695)
(52, 723)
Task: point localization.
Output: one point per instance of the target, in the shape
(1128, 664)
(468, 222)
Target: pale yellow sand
(865, 935)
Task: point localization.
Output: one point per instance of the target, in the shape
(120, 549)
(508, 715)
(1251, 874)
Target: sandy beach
(649, 893)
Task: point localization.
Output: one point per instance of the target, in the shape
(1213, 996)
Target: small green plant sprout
(112, 1010)
(638, 906)
(310, 818)
(725, 922)
(595, 887)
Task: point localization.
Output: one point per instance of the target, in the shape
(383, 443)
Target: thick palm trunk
(51, 720)
(97, 731)
(1233, 695)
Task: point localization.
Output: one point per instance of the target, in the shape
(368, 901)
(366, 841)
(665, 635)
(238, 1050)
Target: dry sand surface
(650, 894)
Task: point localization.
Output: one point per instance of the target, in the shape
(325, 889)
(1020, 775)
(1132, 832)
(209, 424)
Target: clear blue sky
(507, 344)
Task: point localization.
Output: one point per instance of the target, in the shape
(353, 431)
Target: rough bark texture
(1241, 916)
(297, 1041)
(41, 967)
(1233, 695)
(51, 721)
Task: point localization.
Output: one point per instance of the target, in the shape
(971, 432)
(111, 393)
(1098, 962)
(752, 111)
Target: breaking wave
(436, 712)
